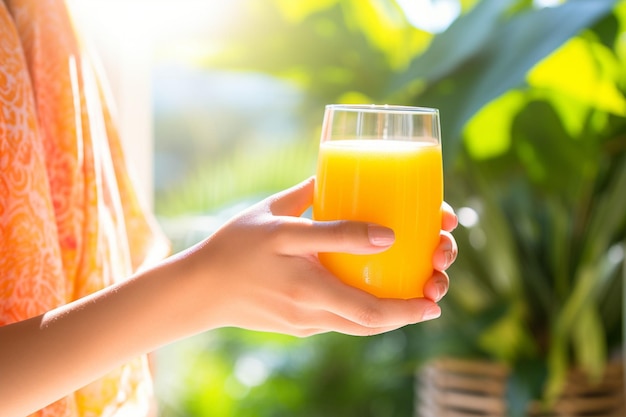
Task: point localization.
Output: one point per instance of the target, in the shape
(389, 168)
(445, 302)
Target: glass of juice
(382, 164)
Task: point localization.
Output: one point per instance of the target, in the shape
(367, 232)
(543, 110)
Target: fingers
(449, 220)
(376, 320)
(446, 252)
(295, 200)
(331, 236)
(310, 321)
(437, 286)
(327, 293)
(360, 312)
(340, 325)
(384, 314)
(346, 236)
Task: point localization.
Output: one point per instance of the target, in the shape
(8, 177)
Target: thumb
(303, 236)
(293, 201)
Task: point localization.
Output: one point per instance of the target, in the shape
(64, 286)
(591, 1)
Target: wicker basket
(468, 388)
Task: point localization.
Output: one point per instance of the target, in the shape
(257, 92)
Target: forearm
(81, 341)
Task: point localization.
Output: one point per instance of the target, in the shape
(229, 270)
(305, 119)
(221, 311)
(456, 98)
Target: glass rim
(382, 108)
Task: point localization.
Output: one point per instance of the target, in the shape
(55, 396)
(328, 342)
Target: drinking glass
(382, 164)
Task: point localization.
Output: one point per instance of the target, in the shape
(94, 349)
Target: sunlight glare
(251, 371)
(546, 3)
(616, 254)
(431, 15)
(158, 20)
(468, 217)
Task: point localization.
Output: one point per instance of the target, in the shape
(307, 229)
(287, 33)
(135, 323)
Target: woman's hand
(260, 271)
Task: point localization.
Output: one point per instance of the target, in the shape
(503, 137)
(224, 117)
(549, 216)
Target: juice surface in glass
(394, 183)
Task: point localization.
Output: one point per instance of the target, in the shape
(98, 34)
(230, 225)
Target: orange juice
(398, 184)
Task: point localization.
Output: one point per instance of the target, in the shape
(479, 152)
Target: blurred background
(221, 104)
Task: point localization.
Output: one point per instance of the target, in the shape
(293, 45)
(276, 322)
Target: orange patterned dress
(70, 221)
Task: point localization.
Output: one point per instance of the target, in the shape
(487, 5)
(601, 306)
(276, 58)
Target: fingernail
(431, 313)
(380, 236)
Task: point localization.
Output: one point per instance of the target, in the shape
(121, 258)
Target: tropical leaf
(485, 53)
(465, 38)
(594, 81)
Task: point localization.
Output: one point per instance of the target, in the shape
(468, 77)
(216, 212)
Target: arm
(259, 271)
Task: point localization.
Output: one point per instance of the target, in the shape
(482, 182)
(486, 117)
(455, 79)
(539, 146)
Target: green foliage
(246, 171)
(239, 373)
(486, 53)
(553, 177)
(330, 48)
(534, 121)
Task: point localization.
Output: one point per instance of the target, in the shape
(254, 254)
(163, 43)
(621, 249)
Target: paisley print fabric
(70, 220)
